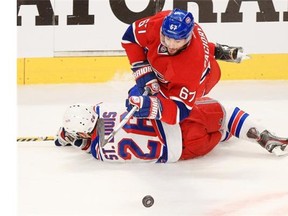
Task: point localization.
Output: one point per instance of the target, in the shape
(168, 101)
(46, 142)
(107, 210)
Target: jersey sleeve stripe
(205, 73)
(129, 36)
(179, 100)
(182, 109)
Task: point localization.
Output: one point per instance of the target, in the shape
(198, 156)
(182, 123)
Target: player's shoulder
(150, 25)
(198, 32)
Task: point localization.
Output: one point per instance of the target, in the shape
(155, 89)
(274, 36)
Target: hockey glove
(144, 76)
(147, 106)
(63, 138)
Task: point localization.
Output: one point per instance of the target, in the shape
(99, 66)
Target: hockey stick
(124, 121)
(34, 139)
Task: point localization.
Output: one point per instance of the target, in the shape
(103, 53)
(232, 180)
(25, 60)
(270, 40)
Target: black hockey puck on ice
(148, 201)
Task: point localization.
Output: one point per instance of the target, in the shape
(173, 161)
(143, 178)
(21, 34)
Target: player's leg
(209, 123)
(241, 125)
(201, 131)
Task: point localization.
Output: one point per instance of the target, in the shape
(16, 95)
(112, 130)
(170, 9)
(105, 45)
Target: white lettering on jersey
(205, 47)
(142, 71)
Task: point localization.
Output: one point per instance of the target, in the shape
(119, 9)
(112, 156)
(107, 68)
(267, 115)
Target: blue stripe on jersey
(94, 146)
(164, 156)
(129, 35)
(184, 112)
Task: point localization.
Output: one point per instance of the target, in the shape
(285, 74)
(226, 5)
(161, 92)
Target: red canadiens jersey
(182, 77)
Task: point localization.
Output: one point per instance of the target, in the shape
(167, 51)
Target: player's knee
(200, 146)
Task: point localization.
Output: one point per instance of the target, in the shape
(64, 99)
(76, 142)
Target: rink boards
(50, 70)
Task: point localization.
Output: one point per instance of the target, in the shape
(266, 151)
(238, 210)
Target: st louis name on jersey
(139, 140)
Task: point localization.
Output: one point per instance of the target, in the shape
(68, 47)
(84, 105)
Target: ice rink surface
(237, 178)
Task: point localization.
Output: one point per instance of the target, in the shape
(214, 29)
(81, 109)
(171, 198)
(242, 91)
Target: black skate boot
(271, 143)
(229, 53)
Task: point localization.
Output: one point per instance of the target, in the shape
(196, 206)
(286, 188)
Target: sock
(238, 122)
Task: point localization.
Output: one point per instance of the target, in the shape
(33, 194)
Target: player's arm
(173, 111)
(134, 41)
(170, 111)
(159, 108)
(178, 103)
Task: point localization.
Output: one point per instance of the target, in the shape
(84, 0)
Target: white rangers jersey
(140, 140)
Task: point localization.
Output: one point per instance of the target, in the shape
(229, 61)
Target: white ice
(237, 178)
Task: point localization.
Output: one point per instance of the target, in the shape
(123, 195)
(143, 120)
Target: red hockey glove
(145, 76)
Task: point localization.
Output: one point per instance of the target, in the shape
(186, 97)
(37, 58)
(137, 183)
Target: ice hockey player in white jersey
(85, 126)
(151, 140)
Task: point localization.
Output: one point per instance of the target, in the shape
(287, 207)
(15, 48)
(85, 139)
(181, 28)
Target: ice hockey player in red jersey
(169, 48)
(154, 141)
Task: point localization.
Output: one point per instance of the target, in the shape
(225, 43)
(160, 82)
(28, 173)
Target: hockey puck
(148, 201)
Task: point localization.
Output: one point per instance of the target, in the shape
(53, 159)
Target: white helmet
(79, 118)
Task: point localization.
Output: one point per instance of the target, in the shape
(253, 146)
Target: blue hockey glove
(147, 106)
(144, 76)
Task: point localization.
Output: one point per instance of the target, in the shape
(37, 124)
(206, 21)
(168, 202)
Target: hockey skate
(230, 54)
(271, 143)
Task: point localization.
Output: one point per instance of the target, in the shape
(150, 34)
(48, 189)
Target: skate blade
(244, 56)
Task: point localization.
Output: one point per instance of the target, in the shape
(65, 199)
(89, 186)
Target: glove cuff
(143, 74)
(61, 139)
(155, 108)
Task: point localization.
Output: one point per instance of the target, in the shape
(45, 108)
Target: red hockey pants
(201, 130)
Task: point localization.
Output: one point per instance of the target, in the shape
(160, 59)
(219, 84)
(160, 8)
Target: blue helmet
(178, 24)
